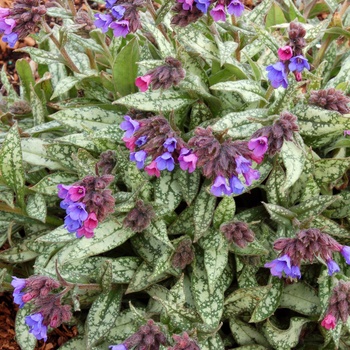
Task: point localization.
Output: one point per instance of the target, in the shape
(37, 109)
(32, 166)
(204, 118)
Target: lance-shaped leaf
(183, 223)
(101, 315)
(224, 212)
(213, 343)
(269, 303)
(226, 49)
(246, 334)
(24, 339)
(275, 16)
(36, 207)
(77, 343)
(188, 183)
(64, 86)
(254, 248)
(11, 163)
(330, 170)
(284, 338)
(301, 298)
(293, 159)
(48, 185)
(342, 76)
(279, 214)
(274, 186)
(158, 230)
(258, 14)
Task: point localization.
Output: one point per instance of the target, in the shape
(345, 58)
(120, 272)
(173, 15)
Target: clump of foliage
(175, 174)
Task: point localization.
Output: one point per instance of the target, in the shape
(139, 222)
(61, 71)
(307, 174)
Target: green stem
(236, 38)
(269, 92)
(322, 51)
(153, 13)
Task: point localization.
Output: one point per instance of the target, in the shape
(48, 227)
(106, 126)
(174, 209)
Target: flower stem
(153, 13)
(237, 39)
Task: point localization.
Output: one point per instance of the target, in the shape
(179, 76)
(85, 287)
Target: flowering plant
(174, 174)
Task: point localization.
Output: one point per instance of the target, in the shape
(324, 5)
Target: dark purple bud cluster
(162, 77)
(307, 245)
(226, 161)
(154, 138)
(107, 162)
(183, 255)
(331, 99)
(282, 129)
(238, 233)
(122, 17)
(48, 310)
(189, 11)
(184, 342)
(291, 58)
(140, 217)
(21, 20)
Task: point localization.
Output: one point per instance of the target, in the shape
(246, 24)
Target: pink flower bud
(329, 322)
(298, 76)
(143, 82)
(285, 53)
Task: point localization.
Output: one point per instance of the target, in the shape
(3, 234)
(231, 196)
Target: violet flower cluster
(48, 310)
(291, 59)
(16, 23)
(307, 245)
(153, 142)
(87, 203)
(122, 17)
(228, 162)
(189, 11)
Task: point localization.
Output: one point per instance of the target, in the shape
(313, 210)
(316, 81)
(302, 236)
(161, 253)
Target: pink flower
(76, 192)
(298, 76)
(346, 132)
(4, 12)
(130, 143)
(218, 13)
(143, 82)
(91, 222)
(187, 160)
(259, 147)
(152, 169)
(329, 322)
(83, 231)
(285, 53)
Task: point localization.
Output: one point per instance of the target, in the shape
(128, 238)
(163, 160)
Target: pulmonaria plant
(238, 233)
(306, 246)
(162, 77)
(21, 20)
(153, 141)
(331, 99)
(48, 309)
(122, 17)
(227, 162)
(291, 58)
(87, 202)
(189, 11)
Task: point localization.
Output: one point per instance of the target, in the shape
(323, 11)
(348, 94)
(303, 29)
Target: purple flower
(220, 187)
(235, 7)
(236, 185)
(285, 53)
(186, 4)
(165, 161)
(251, 175)
(63, 191)
(17, 298)
(218, 13)
(118, 11)
(259, 147)
(120, 28)
(4, 12)
(202, 5)
(298, 63)
(129, 126)
(71, 225)
(139, 157)
(36, 327)
(187, 160)
(332, 267)
(77, 211)
(242, 165)
(277, 75)
(141, 141)
(103, 21)
(6, 25)
(18, 283)
(345, 252)
(295, 272)
(170, 144)
(118, 347)
(76, 192)
(65, 204)
(11, 39)
(279, 265)
(110, 3)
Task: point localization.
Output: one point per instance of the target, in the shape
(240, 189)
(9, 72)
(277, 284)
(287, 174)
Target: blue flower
(295, 272)
(345, 252)
(103, 21)
(17, 298)
(242, 165)
(18, 283)
(298, 63)
(36, 327)
(277, 75)
(165, 161)
(202, 5)
(251, 175)
(236, 185)
(118, 11)
(72, 225)
(110, 3)
(118, 347)
(77, 211)
(129, 126)
(332, 267)
(280, 265)
(220, 187)
(170, 144)
(141, 141)
(139, 157)
(235, 7)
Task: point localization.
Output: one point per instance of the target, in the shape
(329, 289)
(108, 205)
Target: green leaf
(259, 12)
(274, 184)
(301, 298)
(203, 212)
(275, 16)
(64, 86)
(155, 101)
(124, 68)
(26, 75)
(101, 315)
(293, 159)
(224, 212)
(76, 343)
(183, 223)
(167, 193)
(48, 185)
(41, 56)
(226, 49)
(24, 339)
(329, 226)
(188, 183)
(279, 214)
(284, 338)
(328, 171)
(158, 230)
(11, 165)
(341, 77)
(269, 303)
(36, 207)
(39, 111)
